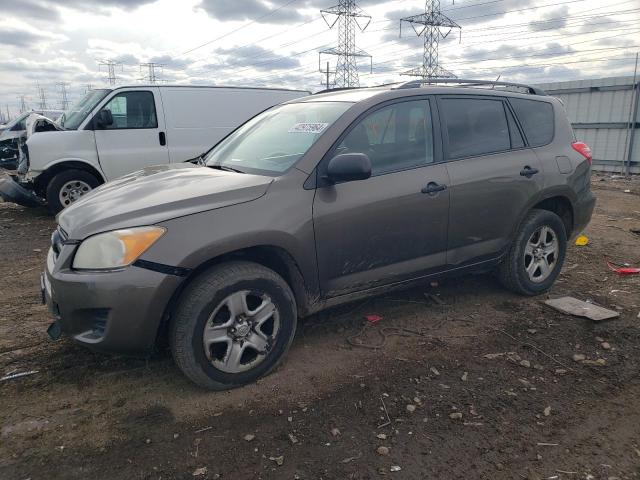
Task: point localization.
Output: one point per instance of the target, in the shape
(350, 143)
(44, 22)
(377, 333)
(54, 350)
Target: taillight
(584, 150)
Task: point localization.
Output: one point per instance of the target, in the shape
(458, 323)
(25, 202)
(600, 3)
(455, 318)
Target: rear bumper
(12, 191)
(117, 311)
(582, 212)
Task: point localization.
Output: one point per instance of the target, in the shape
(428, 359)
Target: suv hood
(156, 194)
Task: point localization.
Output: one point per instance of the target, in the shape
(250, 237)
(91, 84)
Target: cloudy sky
(276, 42)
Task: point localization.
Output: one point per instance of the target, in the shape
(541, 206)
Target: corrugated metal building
(602, 112)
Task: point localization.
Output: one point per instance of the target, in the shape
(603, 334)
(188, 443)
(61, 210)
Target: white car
(113, 132)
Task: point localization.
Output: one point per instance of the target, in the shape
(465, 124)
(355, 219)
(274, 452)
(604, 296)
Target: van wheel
(233, 324)
(68, 186)
(535, 258)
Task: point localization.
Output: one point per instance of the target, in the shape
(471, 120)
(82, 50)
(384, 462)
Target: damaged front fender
(12, 191)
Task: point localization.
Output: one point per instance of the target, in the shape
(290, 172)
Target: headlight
(115, 249)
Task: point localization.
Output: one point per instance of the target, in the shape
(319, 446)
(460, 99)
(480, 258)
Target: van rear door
(136, 136)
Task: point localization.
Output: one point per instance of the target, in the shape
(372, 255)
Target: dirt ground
(442, 392)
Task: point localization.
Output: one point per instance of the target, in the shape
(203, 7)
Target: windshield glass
(276, 139)
(17, 120)
(72, 118)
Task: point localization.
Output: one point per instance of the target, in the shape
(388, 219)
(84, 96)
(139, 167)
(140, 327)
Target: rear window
(536, 119)
(475, 126)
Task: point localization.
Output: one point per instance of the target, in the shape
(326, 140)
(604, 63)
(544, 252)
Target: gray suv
(314, 203)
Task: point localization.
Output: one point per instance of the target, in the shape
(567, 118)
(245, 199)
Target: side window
(475, 126)
(132, 110)
(537, 120)
(396, 137)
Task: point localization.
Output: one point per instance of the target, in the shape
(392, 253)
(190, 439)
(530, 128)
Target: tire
(523, 271)
(59, 184)
(205, 308)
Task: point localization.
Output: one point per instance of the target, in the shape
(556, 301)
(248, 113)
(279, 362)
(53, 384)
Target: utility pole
(88, 88)
(8, 114)
(23, 103)
(348, 16)
(64, 101)
(327, 82)
(111, 66)
(430, 25)
(151, 76)
(42, 95)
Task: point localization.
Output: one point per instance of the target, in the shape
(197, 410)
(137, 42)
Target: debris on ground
(411, 408)
(573, 306)
(249, 437)
(455, 416)
(18, 375)
(198, 472)
(382, 450)
(547, 411)
(623, 269)
(395, 468)
(372, 318)
(279, 460)
(335, 432)
(293, 439)
(582, 241)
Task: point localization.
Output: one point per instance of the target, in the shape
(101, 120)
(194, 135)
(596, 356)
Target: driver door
(136, 138)
(391, 227)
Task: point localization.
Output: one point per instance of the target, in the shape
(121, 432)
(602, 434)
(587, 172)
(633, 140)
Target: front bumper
(12, 191)
(117, 311)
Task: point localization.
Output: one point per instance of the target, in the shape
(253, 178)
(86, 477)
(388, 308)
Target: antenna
(111, 66)
(348, 16)
(430, 25)
(64, 101)
(151, 76)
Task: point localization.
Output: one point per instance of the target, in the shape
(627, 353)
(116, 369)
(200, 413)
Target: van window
(537, 120)
(396, 137)
(475, 126)
(132, 110)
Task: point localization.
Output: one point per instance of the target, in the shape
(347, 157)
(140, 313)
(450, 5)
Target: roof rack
(471, 83)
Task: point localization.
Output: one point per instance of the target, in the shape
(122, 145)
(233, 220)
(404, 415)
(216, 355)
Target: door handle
(528, 171)
(432, 188)
(163, 138)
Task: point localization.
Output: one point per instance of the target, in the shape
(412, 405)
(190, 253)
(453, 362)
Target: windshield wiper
(225, 168)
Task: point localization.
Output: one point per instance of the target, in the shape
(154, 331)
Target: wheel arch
(273, 257)
(42, 180)
(560, 200)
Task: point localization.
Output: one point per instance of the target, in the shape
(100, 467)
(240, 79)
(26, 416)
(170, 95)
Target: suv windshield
(276, 139)
(72, 118)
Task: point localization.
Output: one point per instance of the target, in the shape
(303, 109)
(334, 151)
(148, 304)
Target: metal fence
(604, 114)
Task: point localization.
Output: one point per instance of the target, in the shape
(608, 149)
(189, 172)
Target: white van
(112, 132)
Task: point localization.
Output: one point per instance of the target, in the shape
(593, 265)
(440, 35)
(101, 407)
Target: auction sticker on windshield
(308, 128)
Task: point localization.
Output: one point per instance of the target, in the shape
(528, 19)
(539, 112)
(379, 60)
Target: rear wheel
(535, 258)
(232, 325)
(68, 186)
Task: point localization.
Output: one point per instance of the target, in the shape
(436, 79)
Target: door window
(475, 126)
(132, 110)
(396, 137)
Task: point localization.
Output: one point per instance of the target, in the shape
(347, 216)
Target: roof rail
(470, 83)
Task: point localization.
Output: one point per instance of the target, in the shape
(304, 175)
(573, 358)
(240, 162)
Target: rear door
(388, 228)
(137, 137)
(493, 175)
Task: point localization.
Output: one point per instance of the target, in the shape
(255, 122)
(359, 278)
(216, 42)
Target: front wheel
(535, 257)
(233, 324)
(68, 186)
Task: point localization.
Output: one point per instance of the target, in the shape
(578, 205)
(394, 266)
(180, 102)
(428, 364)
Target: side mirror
(104, 118)
(348, 167)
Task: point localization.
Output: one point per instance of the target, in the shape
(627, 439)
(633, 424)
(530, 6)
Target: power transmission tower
(88, 88)
(42, 95)
(8, 113)
(430, 25)
(111, 66)
(348, 16)
(64, 101)
(23, 103)
(151, 76)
